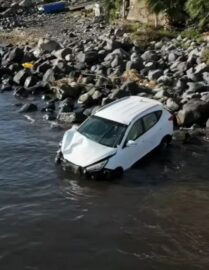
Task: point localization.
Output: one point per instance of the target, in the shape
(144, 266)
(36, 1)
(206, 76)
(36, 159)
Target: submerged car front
(89, 148)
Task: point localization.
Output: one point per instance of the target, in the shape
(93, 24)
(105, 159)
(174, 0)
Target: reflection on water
(156, 217)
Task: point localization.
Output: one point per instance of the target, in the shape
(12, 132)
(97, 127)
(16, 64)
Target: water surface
(156, 217)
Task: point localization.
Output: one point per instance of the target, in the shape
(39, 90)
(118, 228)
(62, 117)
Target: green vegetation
(199, 12)
(182, 11)
(172, 9)
(178, 12)
(192, 33)
(205, 56)
(143, 34)
(113, 8)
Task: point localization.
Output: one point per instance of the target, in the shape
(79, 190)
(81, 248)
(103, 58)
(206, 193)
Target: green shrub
(199, 12)
(113, 8)
(205, 56)
(192, 33)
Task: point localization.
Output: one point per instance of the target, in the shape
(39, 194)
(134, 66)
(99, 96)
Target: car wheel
(165, 142)
(118, 172)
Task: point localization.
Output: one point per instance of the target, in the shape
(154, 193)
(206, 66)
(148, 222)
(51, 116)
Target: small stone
(29, 107)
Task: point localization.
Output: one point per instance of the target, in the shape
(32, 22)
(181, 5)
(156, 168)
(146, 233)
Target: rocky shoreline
(89, 64)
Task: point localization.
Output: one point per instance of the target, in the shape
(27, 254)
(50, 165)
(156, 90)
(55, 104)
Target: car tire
(166, 141)
(118, 172)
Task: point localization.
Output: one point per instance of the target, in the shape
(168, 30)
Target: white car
(117, 136)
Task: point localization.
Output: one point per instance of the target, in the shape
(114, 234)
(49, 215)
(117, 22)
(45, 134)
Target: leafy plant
(199, 11)
(174, 10)
(112, 8)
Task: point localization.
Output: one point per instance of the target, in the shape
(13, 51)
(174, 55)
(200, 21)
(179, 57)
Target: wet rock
(49, 117)
(5, 88)
(31, 81)
(21, 76)
(20, 92)
(72, 117)
(48, 76)
(65, 88)
(38, 88)
(50, 106)
(66, 105)
(15, 55)
(29, 107)
(5, 71)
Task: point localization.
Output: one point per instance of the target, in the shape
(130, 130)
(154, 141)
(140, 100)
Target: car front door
(133, 146)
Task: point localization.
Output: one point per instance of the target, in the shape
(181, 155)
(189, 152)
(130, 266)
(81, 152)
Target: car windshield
(103, 131)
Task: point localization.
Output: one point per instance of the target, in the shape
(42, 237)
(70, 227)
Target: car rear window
(158, 114)
(151, 119)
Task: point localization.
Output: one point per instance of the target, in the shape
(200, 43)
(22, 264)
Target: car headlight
(97, 166)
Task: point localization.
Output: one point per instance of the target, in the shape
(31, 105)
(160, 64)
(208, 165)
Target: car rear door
(153, 129)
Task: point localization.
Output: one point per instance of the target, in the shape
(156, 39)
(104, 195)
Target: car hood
(82, 151)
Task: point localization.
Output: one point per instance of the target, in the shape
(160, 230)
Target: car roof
(126, 109)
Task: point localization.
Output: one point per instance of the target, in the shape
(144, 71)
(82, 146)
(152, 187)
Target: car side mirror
(130, 143)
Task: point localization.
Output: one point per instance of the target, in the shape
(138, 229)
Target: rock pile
(78, 78)
(12, 13)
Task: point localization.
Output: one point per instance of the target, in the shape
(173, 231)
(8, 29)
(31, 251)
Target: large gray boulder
(149, 56)
(48, 45)
(193, 112)
(89, 57)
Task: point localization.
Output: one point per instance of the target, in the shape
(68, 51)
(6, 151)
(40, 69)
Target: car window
(158, 114)
(103, 131)
(136, 131)
(150, 120)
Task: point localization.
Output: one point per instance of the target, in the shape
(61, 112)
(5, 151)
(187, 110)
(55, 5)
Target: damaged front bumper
(96, 170)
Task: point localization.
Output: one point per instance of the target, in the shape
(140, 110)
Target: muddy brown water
(156, 217)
